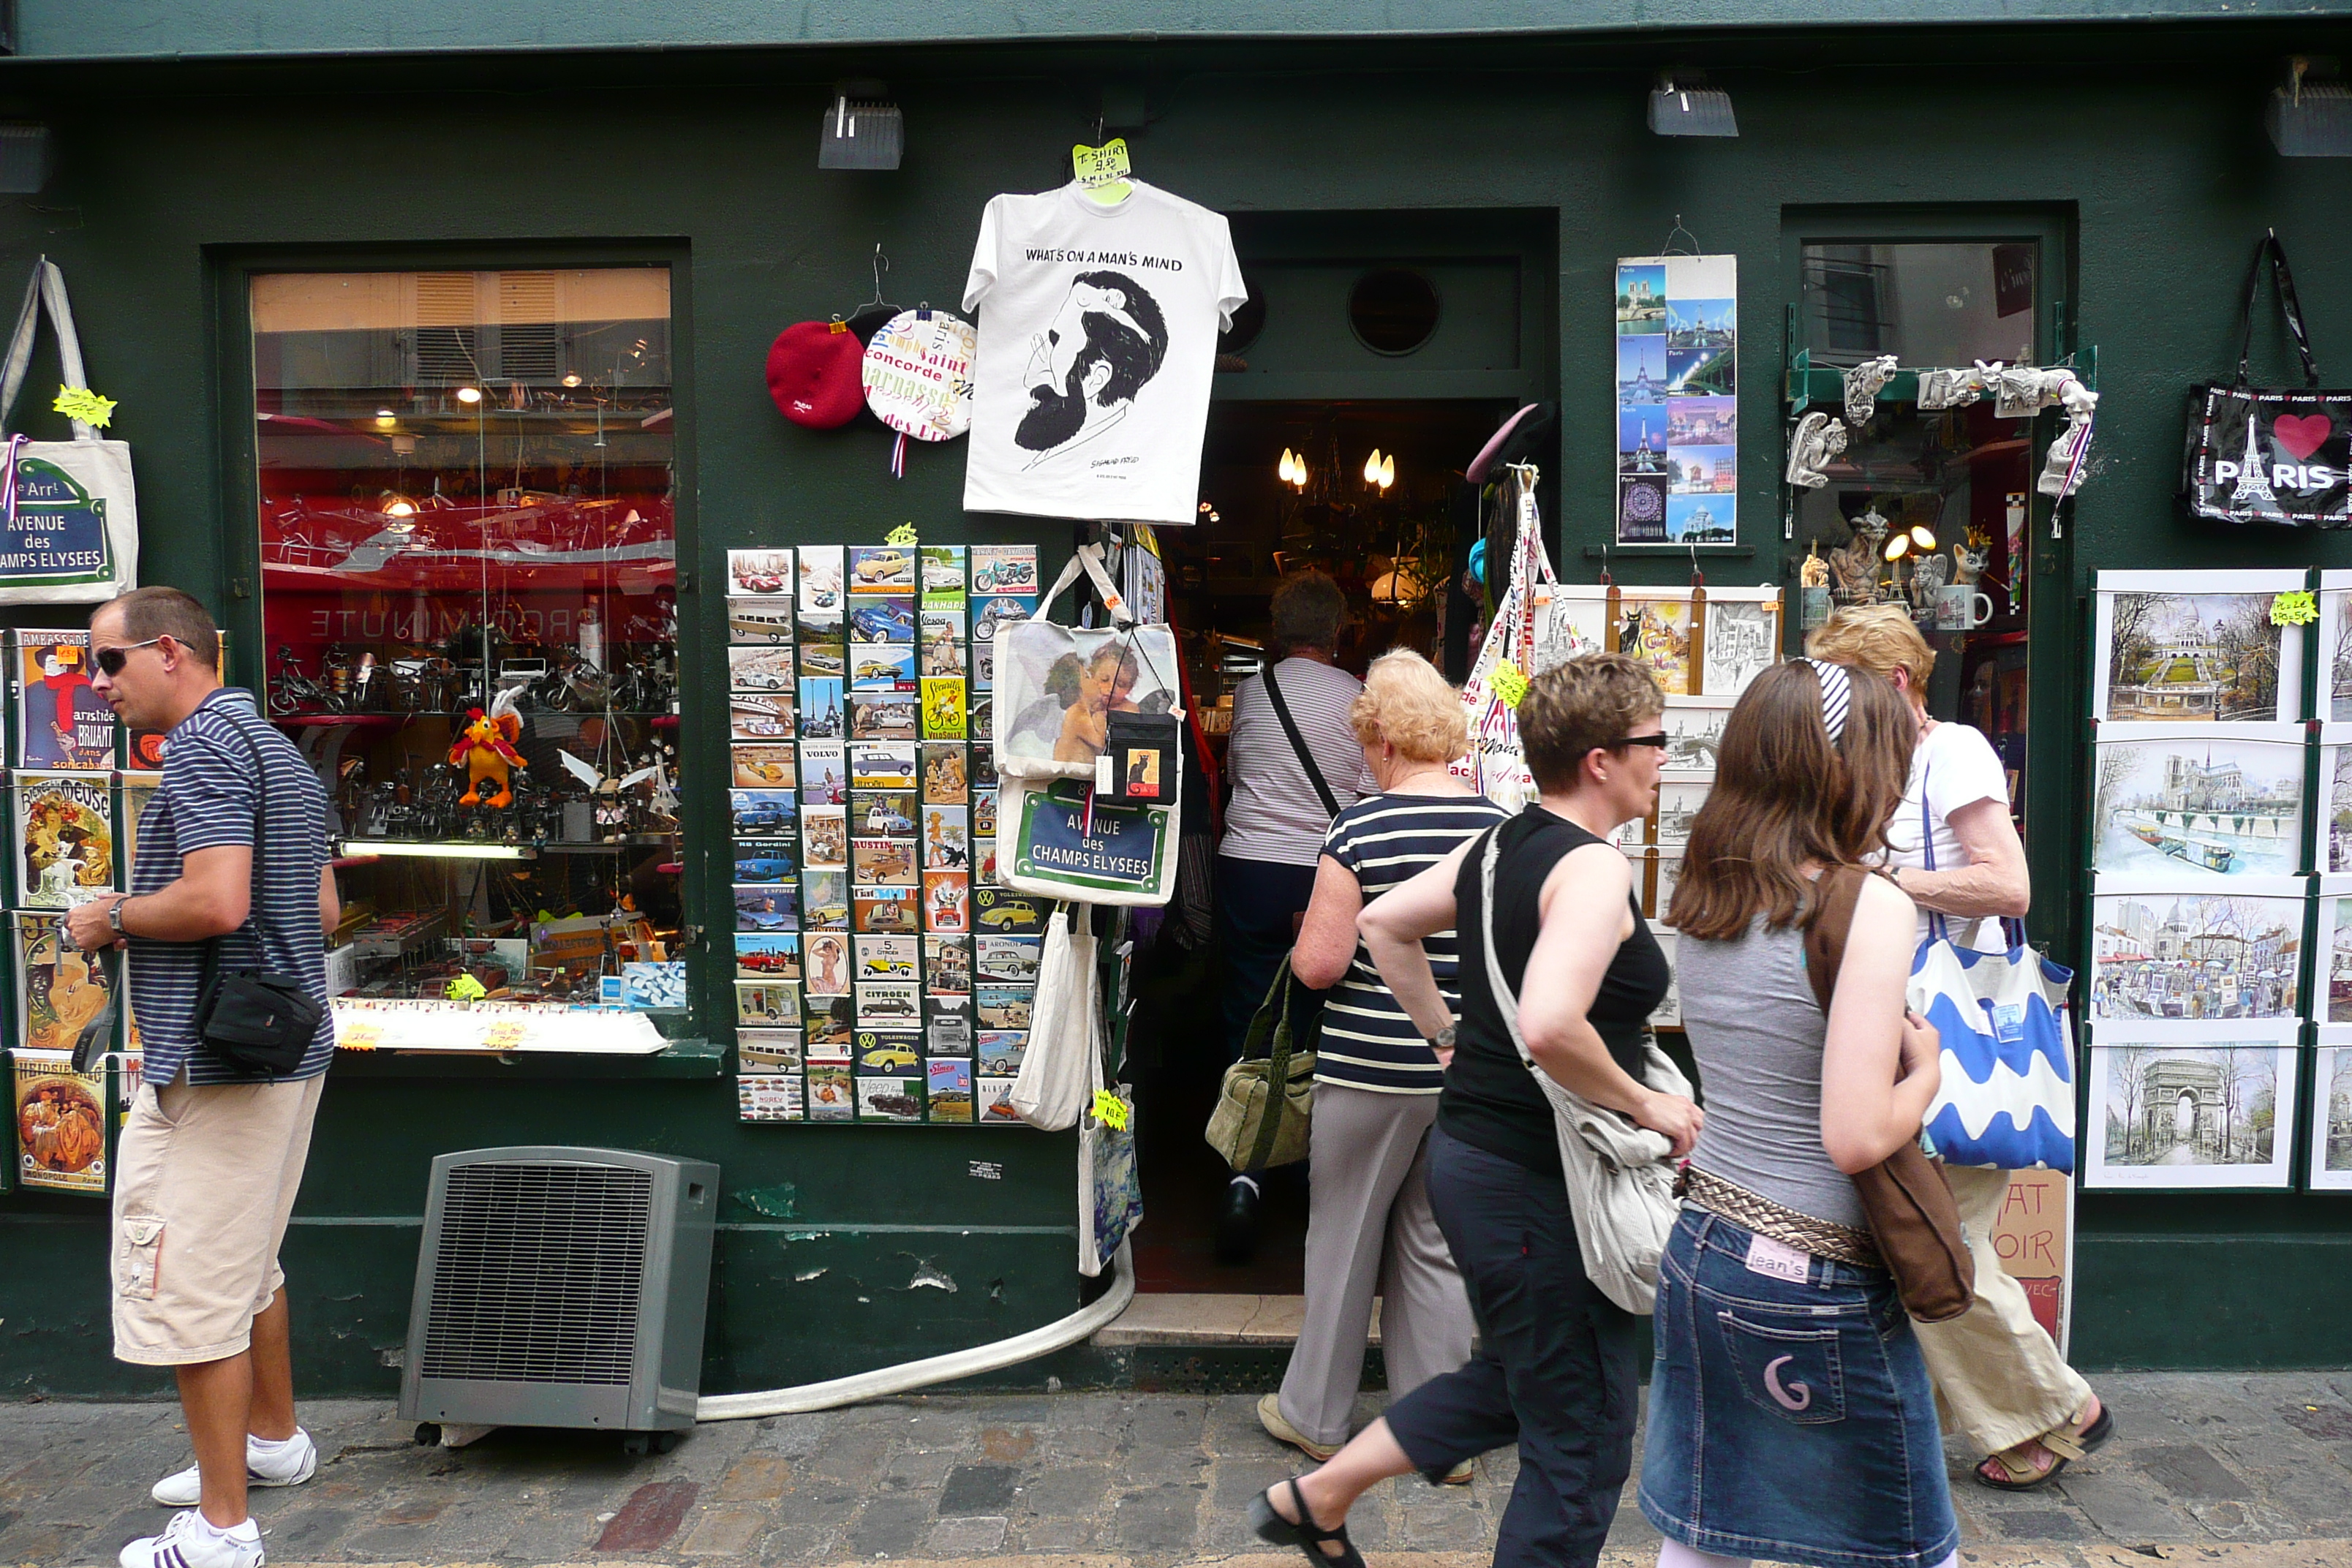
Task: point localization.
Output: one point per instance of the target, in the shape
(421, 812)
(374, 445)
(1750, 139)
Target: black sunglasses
(112, 660)
(1657, 741)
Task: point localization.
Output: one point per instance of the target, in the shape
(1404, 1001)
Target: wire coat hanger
(1668, 249)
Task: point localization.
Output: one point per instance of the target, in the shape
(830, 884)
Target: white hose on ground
(907, 1376)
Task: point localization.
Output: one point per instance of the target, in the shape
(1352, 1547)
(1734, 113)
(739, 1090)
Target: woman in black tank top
(1555, 1369)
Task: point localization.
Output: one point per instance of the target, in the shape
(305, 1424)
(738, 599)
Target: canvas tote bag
(1496, 763)
(1056, 1079)
(2263, 454)
(68, 513)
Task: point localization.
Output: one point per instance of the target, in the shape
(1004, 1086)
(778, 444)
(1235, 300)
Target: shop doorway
(1286, 487)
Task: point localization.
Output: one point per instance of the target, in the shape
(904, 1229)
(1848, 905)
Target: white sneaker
(296, 1461)
(189, 1542)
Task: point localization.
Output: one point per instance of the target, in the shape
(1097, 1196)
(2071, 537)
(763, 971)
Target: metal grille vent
(526, 330)
(446, 318)
(539, 1274)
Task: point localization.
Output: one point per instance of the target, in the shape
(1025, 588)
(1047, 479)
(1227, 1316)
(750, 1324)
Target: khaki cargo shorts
(205, 1177)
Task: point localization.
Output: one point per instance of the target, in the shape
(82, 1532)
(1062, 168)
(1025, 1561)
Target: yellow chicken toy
(486, 748)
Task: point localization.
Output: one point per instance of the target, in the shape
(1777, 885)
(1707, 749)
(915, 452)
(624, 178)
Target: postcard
(829, 1024)
(882, 619)
(2199, 801)
(65, 838)
(883, 813)
(882, 667)
(1003, 1007)
(825, 659)
(983, 817)
(762, 813)
(1003, 910)
(768, 955)
(824, 836)
(948, 1026)
(2195, 646)
(882, 862)
(760, 572)
(824, 896)
(945, 770)
(1007, 960)
(947, 901)
(947, 965)
(767, 670)
(997, 610)
(889, 909)
(1741, 638)
(766, 907)
(761, 764)
(60, 723)
(820, 579)
(831, 1094)
(1004, 569)
(60, 990)
(655, 986)
(983, 765)
(882, 764)
(889, 1005)
(1001, 1050)
(941, 567)
(828, 967)
(764, 1098)
(773, 1003)
(943, 709)
(766, 860)
(879, 716)
(824, 773)
(752, 716)
(768, 1051)
(821, 710)
(60, 1123)
(940, 645)
(949, 1085)
(947, 839)
(887, 957)
(2187, 1116)
(761, 623)
(2194, 952)
(995, 1098)
(881, 569)
(890, 1098)
(2331, 1116)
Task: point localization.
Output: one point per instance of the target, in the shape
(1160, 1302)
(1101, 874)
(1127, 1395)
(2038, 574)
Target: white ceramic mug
(1958, 607)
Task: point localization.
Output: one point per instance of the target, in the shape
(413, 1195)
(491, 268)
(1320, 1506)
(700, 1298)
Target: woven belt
(1823, 1238)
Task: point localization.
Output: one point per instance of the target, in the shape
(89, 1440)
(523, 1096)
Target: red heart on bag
(2300, 435)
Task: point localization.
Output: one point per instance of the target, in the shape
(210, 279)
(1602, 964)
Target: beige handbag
(1264, 1103)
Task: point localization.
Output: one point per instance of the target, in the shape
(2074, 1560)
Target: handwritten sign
(1102, 171)
(2034, 1236)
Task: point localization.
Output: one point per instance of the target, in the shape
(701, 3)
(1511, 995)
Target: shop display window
(468, 568)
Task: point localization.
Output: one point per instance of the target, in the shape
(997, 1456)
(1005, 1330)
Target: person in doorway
(1555, 1366)
(1791, 1416)
(1369, 1227)
(1290, 778)
(1998, 1373)
(211, 1157)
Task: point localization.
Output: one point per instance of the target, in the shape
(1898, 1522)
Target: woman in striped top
(1369, 1227)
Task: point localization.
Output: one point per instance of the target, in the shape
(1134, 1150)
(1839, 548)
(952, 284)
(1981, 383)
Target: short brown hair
(1307, 611)
(1408, 704)
(1880, 639)
(150, 613)
(1574, 708)
(1784, 795)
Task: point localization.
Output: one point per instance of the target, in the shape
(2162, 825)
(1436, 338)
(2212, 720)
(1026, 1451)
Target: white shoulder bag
(69, 512)
(1621, 1175)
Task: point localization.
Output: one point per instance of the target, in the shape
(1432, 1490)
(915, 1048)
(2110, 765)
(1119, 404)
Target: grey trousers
(1370, 1232)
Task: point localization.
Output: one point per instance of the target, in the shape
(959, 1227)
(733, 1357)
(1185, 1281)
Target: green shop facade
(2025, 181)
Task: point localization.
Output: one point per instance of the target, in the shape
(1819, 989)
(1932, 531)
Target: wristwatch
(1442, 1040)
(114, 916)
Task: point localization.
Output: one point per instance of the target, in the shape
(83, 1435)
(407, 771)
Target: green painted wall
(169, 180)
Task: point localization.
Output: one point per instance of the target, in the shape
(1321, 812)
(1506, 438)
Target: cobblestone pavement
(2233, 1470)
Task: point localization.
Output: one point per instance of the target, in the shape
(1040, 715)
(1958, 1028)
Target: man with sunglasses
(208, 1164)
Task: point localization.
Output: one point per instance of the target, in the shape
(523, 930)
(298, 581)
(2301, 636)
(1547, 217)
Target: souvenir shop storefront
(524, 395)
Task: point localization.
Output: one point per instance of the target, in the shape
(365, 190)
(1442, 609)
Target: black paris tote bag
(2258, 455)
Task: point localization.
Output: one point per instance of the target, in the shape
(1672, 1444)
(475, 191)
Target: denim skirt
(1789, 1418)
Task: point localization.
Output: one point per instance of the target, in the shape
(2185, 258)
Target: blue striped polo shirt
(1384, 840)
(210, 796)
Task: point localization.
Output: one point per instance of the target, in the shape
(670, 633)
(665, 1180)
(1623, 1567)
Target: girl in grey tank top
(1757, 1033)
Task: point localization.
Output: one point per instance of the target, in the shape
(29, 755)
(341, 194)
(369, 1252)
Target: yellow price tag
(1110, 1110)
(464, 988)
(80, 403)
(902, 534)
(1102, 171)
(1508, 683)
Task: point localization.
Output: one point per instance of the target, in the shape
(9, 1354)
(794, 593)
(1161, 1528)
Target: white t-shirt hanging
(1097, 336)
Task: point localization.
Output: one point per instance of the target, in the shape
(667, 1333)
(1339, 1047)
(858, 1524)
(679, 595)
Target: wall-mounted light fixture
(1380, 472)
(862, 129)
(1292, 470)
(1680, 107)
(2311, 115)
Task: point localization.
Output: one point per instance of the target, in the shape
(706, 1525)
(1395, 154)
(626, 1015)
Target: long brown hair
(1785, 795)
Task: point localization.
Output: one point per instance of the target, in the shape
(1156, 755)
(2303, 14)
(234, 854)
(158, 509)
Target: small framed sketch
(1669, 1013)
(1571, 619)
(2173, 1112)
(2163, 950)
(1678, 806)
(2331, 977)
(2333, 702)
(2199, 801)
(1740, 640)
(1655, 626)
(2331, 810)
(1694, 727)
(2195, 647)
(2330, 1160)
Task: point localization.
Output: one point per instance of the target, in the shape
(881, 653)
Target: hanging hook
(1668, 249)
(1698, 578)
(881, 264)
(1606, 581)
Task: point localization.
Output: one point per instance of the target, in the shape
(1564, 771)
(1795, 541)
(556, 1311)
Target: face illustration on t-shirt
(1108, 339)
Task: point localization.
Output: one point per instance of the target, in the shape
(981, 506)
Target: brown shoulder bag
(1912, 1215)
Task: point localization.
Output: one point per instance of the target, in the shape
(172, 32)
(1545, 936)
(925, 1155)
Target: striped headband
(1837, 696)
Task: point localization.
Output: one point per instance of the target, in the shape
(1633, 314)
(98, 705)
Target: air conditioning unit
(561, 1287)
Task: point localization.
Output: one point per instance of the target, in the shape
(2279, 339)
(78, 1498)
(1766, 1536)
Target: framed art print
(2201, 802)
(2171, 1113)
(2195, 647)
(2168, 951)
(1694, 727)
(2329, 1165)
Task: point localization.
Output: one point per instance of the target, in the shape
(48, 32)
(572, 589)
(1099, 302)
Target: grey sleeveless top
(1756, 1033)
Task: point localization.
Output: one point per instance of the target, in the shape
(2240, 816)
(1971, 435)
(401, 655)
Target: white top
(1954, 766)
(1276, 815)
(1098, 337)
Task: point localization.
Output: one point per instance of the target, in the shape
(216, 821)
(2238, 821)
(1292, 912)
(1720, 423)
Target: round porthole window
(1249, 321)
(1393, 311)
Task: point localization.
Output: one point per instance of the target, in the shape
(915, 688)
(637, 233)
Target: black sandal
(1304, 1533)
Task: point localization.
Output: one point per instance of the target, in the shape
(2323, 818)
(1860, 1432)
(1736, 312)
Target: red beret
(813, 374)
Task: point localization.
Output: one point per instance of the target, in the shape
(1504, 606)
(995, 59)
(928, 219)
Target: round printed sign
(918, 374)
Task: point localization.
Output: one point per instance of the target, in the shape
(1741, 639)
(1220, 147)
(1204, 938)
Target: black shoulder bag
(259, 1021)
(1306, 757)
(2270, 455)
